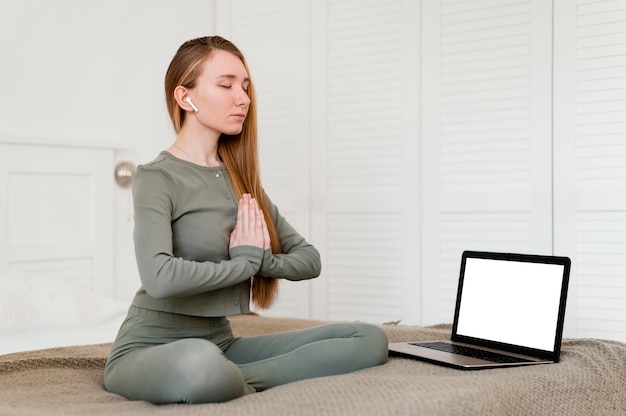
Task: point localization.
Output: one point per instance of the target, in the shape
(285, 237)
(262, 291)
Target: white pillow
(37, 304)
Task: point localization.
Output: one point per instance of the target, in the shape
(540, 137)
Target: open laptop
(509, 307)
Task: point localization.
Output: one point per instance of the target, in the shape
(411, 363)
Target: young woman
(207, 238)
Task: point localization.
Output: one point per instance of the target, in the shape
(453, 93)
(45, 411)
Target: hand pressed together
(251, 229)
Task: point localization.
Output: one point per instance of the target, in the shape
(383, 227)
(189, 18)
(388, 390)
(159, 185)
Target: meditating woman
(207, 238)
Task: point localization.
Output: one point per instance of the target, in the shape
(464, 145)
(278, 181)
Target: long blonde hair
(238, 152)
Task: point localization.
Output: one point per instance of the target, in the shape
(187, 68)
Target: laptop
(509, 312)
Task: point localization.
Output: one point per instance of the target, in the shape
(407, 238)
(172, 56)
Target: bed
(39, 313)
(589, 380)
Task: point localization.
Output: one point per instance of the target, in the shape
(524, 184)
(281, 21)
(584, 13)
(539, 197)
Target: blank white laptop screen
(525, 314)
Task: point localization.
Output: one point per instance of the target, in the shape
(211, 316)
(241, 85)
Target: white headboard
(57, 214)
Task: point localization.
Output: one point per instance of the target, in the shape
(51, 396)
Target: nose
(242, 98)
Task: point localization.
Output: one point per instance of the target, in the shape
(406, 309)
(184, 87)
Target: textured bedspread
(589, 380)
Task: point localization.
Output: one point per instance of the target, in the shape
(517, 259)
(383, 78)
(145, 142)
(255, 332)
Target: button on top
(227, 196)
(218, 174)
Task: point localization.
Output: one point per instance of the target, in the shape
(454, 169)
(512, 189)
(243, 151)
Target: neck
(199, 152)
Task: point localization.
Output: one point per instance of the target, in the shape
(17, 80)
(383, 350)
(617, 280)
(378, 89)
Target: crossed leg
(274, 359)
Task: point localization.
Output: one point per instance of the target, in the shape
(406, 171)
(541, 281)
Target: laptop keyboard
(470, 352)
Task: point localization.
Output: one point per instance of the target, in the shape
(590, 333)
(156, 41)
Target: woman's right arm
(162, 274)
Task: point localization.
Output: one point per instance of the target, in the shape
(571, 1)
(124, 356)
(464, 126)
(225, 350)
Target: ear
(180, 94)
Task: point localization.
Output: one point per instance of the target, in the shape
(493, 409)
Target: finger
(253, 213)
(259, 218)
(239, 224)
(266, 234)
(245, 212)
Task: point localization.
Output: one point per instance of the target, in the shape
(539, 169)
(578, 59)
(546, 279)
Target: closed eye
(229, 77)
(245, 87)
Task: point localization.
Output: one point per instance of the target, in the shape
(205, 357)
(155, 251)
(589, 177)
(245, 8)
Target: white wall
(91, 73)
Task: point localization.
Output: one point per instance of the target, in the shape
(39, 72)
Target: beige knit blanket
(589, 380)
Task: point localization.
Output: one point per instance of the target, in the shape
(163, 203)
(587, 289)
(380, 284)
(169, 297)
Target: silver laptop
(509, 312)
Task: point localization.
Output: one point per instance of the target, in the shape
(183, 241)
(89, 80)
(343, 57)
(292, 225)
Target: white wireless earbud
(188, 101)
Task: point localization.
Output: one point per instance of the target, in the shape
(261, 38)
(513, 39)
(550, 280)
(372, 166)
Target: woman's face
(220, 93)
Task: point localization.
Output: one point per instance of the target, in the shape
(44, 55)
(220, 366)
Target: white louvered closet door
(365, 115)
(274, 37)
(486, 136)
(590, 167)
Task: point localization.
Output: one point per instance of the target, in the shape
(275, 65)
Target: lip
(241, 116)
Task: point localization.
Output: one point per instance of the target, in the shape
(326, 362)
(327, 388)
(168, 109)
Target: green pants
(162, 357)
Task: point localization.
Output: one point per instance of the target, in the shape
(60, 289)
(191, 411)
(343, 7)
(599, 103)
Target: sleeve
(298, 260)
(163, 275)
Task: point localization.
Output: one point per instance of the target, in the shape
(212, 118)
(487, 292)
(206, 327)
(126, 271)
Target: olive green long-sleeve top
(184, 214)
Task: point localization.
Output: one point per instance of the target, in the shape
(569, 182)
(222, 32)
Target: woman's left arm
(298, 259)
